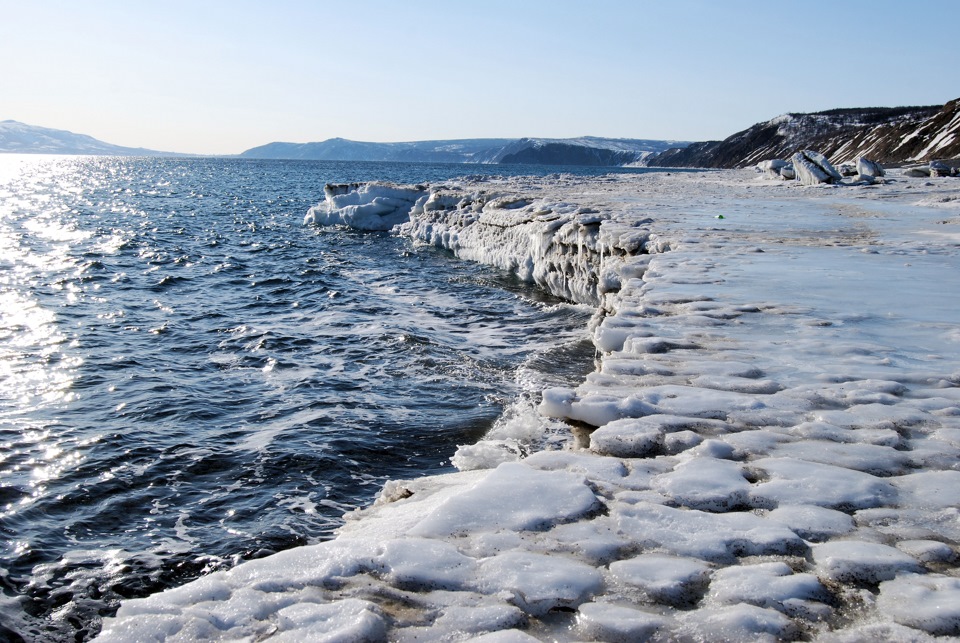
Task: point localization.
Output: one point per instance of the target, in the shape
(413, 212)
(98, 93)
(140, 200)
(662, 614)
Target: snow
(767, 449)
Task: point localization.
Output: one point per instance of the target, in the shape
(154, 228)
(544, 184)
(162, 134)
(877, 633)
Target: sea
(190, 377)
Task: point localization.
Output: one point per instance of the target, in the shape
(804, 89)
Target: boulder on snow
(813, 168)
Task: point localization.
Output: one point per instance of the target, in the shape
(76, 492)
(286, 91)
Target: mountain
(21, 138)
(341, 149)
(587, 150)
(888, 135)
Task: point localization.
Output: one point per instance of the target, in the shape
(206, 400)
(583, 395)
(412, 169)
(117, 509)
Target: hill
(587, 150)
(888, 135)
(16, 137)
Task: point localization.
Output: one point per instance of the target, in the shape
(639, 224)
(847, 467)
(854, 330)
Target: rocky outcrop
(887, 135)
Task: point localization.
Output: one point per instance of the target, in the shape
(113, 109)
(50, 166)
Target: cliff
(888, 135)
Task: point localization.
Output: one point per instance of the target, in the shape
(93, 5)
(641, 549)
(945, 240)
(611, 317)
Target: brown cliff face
(889, 135)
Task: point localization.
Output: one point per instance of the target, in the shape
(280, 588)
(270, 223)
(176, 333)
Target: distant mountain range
(888, 135)
(21, 138)
(587, 150)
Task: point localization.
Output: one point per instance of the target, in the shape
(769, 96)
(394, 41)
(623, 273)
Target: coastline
(774, 434)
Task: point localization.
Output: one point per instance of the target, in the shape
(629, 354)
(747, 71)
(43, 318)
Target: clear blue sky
(222, 76)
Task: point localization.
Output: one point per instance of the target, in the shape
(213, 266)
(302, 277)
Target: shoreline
(774, 433)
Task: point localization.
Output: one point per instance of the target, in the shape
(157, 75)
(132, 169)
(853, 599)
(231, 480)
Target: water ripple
(192, 378)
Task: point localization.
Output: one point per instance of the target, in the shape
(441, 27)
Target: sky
(220, 77)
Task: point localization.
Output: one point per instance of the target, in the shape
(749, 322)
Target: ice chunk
(739, 623)
(705, 483)
(869, 458)
(927, 551)
(812, 522)
(628, 438)
(607, 622)
(368, 206)
(673, 580)
(504, 500)
(540, 582)
(771, 585)
(930, 603)
(712, 537)
(419, 564)
(505, 636)
(349, 619)
(465, 619)
(800, 482)
(861, 562)
(929, 489)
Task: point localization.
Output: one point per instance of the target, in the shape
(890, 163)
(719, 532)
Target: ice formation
(768, 448)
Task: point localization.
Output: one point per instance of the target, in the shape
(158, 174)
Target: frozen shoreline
(778, 441)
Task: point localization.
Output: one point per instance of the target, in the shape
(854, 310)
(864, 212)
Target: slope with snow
(767, 450)
(887, 135)
(16, 137)
(587, 150)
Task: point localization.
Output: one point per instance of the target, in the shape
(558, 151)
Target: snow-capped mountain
(21, 138)
(587, 150)
(889, 135)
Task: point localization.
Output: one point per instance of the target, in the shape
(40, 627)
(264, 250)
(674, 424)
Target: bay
(191, 377)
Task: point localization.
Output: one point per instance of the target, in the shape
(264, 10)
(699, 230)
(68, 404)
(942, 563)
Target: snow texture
(767, 450)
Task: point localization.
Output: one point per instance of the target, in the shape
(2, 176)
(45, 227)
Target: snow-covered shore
(768, 449)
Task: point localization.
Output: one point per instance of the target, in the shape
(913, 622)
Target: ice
(715, 537)
(861, 562)
(705, 483)
(795, 481)
(766, 450)
(811, 522)
(741, 622)
(346, 620)
(372, 206)
(502, 500)
(772, 585)
(672, 580)
(930, 603)
(538, 583)
(606, 622)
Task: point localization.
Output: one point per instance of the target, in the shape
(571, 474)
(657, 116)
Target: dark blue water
(191, 378)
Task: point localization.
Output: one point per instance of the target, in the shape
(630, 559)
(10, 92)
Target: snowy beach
(769, 447)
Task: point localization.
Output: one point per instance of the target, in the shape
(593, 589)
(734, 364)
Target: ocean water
(189, 377)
